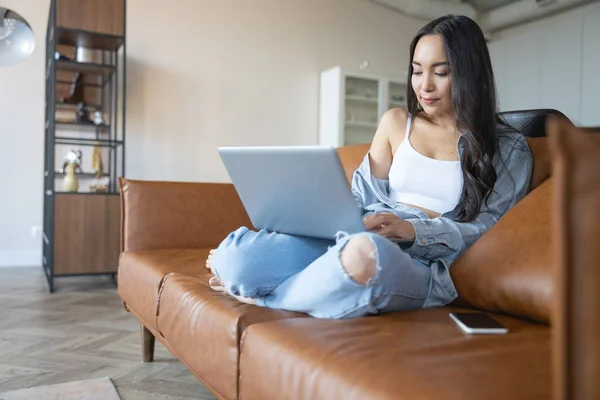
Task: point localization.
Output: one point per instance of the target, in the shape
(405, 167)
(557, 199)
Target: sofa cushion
(141, 274)
(203, 327)
(411, 355)
(509, 269)
(576, 156)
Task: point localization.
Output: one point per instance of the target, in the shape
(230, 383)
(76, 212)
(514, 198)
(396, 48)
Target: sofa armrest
(576, 318)
(178, 215)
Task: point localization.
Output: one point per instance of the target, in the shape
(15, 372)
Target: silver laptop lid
(299, 190)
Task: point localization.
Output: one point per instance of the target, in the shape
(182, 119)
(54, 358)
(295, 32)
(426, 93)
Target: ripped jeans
(305, 274)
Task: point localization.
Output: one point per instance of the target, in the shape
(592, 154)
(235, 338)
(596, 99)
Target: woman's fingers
(387, 231)
(373, 222)
(384, 224)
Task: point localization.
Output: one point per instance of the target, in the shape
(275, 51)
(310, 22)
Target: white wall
(201, 73)
(22, 144)
(552, 63)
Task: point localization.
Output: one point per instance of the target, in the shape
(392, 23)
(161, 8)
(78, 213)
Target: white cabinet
(352, 103)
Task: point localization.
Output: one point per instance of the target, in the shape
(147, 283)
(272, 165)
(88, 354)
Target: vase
(70, 183)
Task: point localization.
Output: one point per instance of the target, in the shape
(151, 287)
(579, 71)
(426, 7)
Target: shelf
(88, 39)
(76, 84)
(92, 68)
(362, 99)
(87, 142)
(79, 125)
(361, 124)
(397, 104)
(59, 192)
(74, 105)
(90, 175)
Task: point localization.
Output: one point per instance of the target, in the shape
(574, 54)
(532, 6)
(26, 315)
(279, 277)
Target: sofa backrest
(352, 156)
(532, 124)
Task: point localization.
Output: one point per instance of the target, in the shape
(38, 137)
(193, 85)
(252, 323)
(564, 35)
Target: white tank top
(422, 181)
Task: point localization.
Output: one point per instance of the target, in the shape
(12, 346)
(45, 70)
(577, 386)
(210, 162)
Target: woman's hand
(389, 226)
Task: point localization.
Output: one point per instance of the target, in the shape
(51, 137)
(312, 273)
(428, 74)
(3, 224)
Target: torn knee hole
(359, 259)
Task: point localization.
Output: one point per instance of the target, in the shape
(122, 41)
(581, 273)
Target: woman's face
(431, 76)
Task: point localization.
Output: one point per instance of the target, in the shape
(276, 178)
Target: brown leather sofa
(243, 351)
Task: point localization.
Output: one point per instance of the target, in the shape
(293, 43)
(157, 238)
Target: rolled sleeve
(424, 237)
(445, 238)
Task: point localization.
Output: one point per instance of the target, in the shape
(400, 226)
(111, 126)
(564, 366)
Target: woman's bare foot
(246, 300)
(217, 284)
(211, 254)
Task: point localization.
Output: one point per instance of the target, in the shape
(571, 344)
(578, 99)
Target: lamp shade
(16, 37)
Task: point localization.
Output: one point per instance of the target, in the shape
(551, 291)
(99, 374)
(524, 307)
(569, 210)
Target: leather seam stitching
(160, 291)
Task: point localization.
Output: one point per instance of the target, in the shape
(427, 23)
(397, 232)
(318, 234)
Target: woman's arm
(388, 132)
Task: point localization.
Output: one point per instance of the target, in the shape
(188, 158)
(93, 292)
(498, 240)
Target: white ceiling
(492, 15)
(487, 5)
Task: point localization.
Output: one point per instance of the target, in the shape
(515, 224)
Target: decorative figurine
(98, 119)
(97, 186)
(72, 157)
(97, 162)
(83, 115)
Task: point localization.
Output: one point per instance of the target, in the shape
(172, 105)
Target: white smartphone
(477, 323)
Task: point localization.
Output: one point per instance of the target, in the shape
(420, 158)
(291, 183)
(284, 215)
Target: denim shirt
(439, 241)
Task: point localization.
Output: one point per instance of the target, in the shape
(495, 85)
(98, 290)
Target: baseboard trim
(20, 258)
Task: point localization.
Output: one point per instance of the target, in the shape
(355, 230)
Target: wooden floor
(80, 332)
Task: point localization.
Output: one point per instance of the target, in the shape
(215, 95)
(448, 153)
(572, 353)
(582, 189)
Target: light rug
(91, 389)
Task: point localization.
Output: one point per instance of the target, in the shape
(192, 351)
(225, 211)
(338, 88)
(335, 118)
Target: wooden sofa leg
(147, 344)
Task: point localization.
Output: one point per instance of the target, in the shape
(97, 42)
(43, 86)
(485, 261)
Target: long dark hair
(475, 108)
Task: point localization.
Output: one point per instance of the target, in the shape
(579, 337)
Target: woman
(439, 174)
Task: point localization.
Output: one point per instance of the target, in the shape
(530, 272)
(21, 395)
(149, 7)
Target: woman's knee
(359, 258)
(235, 239)
(234, 254)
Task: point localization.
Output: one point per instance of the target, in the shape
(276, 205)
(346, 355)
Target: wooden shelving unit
(82, 229)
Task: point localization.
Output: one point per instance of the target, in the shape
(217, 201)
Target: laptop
(297, 190)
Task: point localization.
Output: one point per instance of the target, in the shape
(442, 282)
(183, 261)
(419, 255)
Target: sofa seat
(141, 274)
(204, 328)
(168, 291)
(412, 355)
